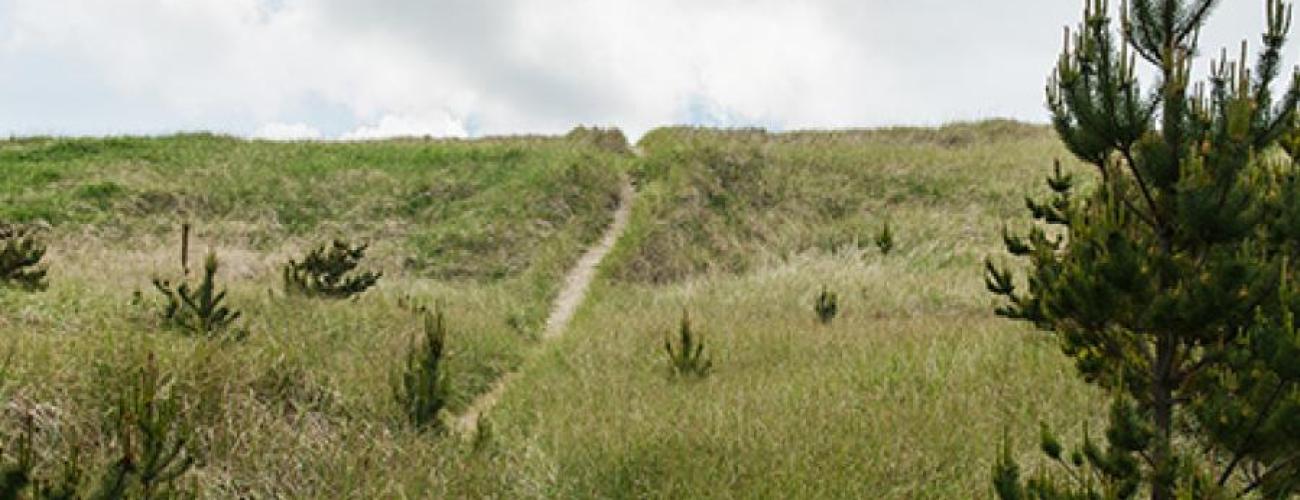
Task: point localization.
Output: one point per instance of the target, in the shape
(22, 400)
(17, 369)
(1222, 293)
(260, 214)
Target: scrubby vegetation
(198, 310)
(875, 405)
(740, 225)
(686, 357)
(885, 239)
(907, 396)
(303, 406)
(420, 388)
(329, 272)
(20, 258)
(827, 306)
(149, 439)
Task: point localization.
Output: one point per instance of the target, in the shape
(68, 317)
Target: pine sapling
(1168, 279)
(20, 259)
(327, 272)
(153, 438)
(16, 472)
(827, 306)
(152, 442)
(199, 310)
(885, 239)
(420, 389)
(687, 357)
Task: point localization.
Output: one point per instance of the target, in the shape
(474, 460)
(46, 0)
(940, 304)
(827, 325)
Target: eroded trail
(573, 293)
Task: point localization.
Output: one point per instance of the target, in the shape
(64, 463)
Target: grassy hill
(302, 408)
(905, 395)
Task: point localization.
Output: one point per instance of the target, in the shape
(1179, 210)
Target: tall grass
(302, 407)
(731, 201)
(905, 395)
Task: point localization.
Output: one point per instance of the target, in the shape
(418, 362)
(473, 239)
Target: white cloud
(287, 132)
(524, 66)
(390, 126)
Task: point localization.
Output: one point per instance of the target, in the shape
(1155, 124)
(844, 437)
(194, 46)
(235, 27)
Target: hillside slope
(484, 230)
(906, 394)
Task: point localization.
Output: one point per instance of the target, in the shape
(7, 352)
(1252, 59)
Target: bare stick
(185, 248)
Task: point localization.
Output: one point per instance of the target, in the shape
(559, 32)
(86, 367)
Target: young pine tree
(885, 239)
(200, 310)
(687, 359)
(827, 306)
(420, 388)
(1167, 281)
(151, 444)
(329, 272)
(20, 258)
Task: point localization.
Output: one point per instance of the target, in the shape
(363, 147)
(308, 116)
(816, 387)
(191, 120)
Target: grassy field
(303, 407)
(906, 394)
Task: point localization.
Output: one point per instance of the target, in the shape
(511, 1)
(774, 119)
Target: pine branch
(1240, 453)
(1273, 469)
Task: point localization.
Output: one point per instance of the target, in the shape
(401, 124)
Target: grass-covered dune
(302, 407)
(906, 394)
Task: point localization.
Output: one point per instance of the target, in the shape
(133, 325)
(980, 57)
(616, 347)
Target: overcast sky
(375, 68)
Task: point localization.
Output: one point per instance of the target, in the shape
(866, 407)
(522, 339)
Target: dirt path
(576, 283)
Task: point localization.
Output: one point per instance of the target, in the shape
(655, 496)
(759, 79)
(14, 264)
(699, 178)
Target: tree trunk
(1163, 406)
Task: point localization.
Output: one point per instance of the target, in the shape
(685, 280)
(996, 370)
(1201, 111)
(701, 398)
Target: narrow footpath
(571, 296)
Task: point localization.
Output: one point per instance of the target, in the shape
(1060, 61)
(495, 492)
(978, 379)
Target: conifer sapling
(420, 389)
(885, 239)
(20, 258)
(152, 445)
(326, 272)
(199, 310)
(687, 357)
(152, 435)
(827, 306)
(1167, 282)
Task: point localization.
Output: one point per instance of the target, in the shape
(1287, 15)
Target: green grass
(485, 229)
(907, 394)
(719, 201)
(894, 399)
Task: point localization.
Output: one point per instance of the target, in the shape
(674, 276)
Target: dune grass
(892, 400)
(302, 407)
(906, 394)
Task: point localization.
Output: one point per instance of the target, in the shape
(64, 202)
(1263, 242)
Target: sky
(362, 69)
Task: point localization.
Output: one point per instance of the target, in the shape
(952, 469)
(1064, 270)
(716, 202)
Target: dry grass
(302, 408)
(905, 395)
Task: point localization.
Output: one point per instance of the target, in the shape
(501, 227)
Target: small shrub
(20, 259)
(152, 442)
(324, 272)
(17, 470)
(199, 310)
(421, 388)
(885, 239)
(18, 473)
(153, 437)
(483, 434)
(827, 306)
(687, 357)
